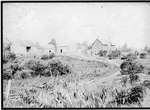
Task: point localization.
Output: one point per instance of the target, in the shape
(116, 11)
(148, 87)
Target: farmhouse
(97, 45)
(56, 48)
(59, 49)
(62, 49)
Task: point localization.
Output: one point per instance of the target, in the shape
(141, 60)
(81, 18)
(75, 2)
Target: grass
(81, 88)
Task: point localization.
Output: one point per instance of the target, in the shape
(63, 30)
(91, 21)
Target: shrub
(46, 57)
(146, 83)
(133, 78)
(35, 65)
(128, 67)
(7, 72)
(57, 68)
(143, 55)
(102, 53)
(50, 68)
(51, 55)
(132, 96)
(23, 74)
(131, 56)
(8, 56)
(9, 69)
(114, 54)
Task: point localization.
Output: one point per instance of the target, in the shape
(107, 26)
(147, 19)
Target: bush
(102, 53)
(23, 74)
(35, 65)
(32, 68)
(146, 83)
(135, 94)
(51, 68)
(114, 54)
(51, 55)
(128, 67)
(8, 56)
(9, 69)
(133, 78)
(143, 55)
(7, 74)
(57, 68)
(131, 56)
(46, 57)
(130, 96)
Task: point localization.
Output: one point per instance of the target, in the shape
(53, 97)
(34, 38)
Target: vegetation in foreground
(30, 87)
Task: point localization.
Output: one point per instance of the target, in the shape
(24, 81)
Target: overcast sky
(77, 22)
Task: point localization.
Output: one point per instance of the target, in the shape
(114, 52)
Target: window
(60, 50)
(28, 48)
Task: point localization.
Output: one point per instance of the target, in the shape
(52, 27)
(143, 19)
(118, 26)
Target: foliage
(131, 56)
(49, 68)
(146, 83)
(129, 96)
(35, 65)
(143, 55)
(8, 56)
(46, 57)
(57, 68)
(135, 94)
(9, 69)
(7, 72)
(147, 49)
(61, 92)
(129, 67)
(102, 53)
(23, 74)
(114, 54)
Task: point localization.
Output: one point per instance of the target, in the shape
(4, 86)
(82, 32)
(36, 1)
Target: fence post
(8, 89)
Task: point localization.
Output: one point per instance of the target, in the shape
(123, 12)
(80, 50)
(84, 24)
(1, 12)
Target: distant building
(97, 45)
(27, 48)
(62, 49)
(52, 46)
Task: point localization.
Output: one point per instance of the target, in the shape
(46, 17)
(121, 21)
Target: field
(92, 83)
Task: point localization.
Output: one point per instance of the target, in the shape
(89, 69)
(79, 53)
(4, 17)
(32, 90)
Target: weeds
(63, 89)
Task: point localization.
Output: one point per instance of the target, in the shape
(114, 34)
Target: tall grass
(68, 91)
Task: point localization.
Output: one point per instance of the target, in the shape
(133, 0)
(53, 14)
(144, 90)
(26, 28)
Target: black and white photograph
(75, 55)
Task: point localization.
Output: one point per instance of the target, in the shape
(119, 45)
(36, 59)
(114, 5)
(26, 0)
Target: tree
(147, 49)
(125, 48)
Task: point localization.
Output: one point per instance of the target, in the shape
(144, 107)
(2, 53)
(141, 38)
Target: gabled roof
(98, 41)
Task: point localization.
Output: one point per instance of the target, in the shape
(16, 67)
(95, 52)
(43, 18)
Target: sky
(68, 23)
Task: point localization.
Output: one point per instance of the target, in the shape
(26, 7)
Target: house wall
(113, 48)
(64, 50)
(51, 48)
(97, 47)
